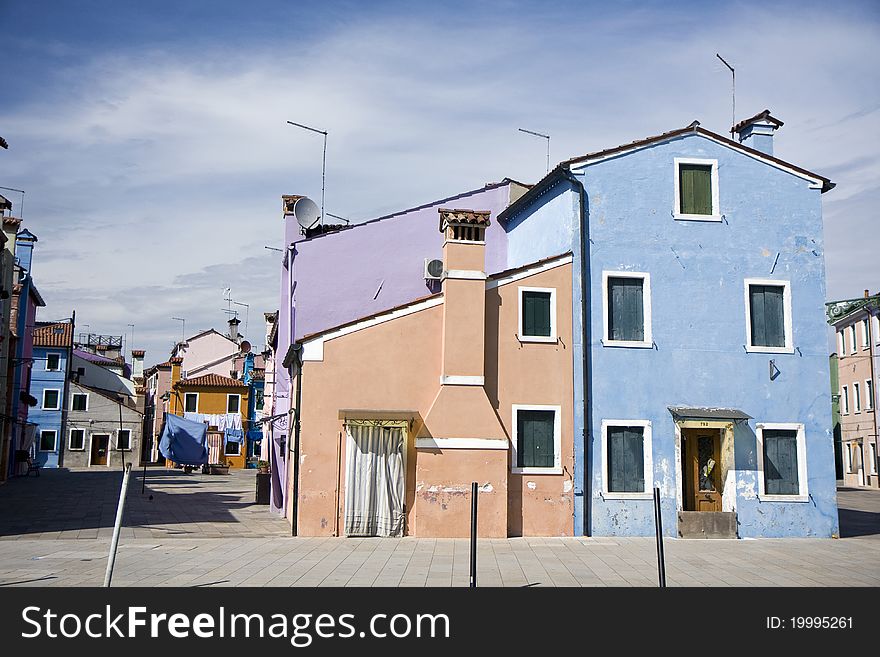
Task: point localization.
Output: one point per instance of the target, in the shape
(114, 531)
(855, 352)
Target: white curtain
(374, 480)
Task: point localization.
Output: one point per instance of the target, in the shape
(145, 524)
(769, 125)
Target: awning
(708, 413)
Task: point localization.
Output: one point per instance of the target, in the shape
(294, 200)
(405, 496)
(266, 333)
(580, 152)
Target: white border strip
(461, 443)
(462, 380)
(465, 274)
(314, 349)
(529, 271)
(815, 183)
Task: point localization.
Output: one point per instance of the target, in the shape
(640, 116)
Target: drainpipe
(585, 341)
(65, 395)
(294, 358)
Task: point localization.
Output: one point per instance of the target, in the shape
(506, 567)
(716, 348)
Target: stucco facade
(617, 209)
(105, 433)
(49, 375)
(857, 326)
(452, 368)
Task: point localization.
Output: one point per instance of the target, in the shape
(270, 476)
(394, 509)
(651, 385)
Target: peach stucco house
(402, 410)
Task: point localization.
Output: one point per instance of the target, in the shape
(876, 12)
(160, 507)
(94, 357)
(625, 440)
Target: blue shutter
(535, 444)
(780, 462)
(626, 460)
(767, 315)
(536, 314)
(626, 319)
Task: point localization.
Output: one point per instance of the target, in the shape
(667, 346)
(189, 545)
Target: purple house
(330, 277)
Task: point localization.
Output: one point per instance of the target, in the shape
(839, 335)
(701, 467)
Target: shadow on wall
(61, 500)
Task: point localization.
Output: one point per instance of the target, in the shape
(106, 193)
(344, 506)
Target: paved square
(202, 530)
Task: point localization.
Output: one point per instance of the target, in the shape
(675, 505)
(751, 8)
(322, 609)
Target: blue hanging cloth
(184, 441)
(234, 435)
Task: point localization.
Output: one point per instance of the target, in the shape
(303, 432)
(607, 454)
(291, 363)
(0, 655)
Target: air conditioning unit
(433, 269)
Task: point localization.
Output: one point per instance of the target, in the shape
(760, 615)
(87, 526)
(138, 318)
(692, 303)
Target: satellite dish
(245, 347)
(306, 212)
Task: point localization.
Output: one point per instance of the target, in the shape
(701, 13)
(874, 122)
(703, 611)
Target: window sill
(627, 496)
(697, 217)
(633, 344)
(536, 471)
(76, 449)
(537, 338)
(799, 499)
(769, 350)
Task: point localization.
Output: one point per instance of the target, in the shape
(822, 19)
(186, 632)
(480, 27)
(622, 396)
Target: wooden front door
(100, 443)
(702, 469)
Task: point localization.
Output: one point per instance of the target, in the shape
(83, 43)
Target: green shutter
(535, 443)
(780, 462)
(625, 309)
(626, 460)
(695, 188)
(536, 314)
(767, 315)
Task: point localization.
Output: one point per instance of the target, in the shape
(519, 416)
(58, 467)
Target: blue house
(700, 355)
(49, 385)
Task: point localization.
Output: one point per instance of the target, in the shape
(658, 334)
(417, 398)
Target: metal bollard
(473, 583)
(114, 544)
(658, 526)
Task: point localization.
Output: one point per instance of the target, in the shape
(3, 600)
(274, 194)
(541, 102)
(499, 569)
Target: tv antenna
(323, 162)
(733, 92)
(182, 328)
(542, 136)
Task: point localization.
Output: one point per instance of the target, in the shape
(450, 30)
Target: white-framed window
(782, 462)
(865, 330)
(537, 439)
(48, 438)
(857, 397)
(76, 441)
(626, 309)
(79, 401)
(844, 400)
(869, 395)
(51, 399)
(537, 314)
(877, 329)
(123, 439)
(848, 458)
(233, 403)
(852, 338)
(768, 316)
(232, 449)
(841, 343)
(53, 362)
(191, 402)
(872, 453)
(627, 462)
(696, 189)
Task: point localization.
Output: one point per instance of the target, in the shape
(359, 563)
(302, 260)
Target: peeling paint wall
(699, 322)
(771, 228)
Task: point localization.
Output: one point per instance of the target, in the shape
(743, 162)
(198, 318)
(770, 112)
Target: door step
(707, 524)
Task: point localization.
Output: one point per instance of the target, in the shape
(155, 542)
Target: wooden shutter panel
(536, 445)
(536, 314)
(695, 188)
(780, 462)
(626, 319)
(767, 315)
(626, 459)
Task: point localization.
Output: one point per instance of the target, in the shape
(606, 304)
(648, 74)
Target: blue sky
(151, 138)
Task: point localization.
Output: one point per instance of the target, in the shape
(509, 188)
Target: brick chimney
(461, 408)
(757, 132)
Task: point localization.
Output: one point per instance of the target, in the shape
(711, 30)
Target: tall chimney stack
(233, 330)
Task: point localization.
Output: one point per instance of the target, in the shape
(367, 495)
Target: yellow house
(219, 402)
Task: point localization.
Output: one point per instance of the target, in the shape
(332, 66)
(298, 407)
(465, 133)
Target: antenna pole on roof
(733, 92)
(323, 161)
(538, 134)
(182, 328)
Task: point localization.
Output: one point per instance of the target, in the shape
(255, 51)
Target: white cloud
(153, 178)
